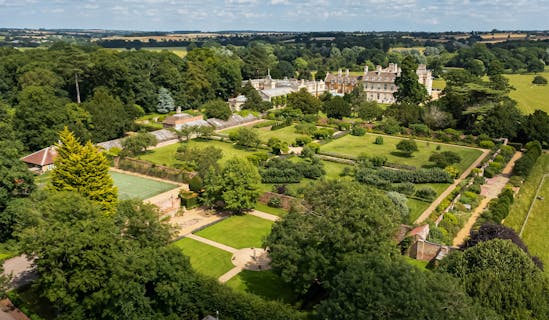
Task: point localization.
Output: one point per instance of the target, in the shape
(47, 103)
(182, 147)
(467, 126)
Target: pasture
(529, 96)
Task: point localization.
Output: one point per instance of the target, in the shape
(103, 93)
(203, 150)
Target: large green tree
(240, 184)
(82, 168)
(501, 276)
(340, 218)
(337, 108)
(304, 101)
(409, 89)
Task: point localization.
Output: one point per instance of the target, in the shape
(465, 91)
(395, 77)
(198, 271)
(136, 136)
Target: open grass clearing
(529, 96)
(239, 232)
(204, 258)
(166, 155)
(133, 187)
(354, 146)
(265, 284)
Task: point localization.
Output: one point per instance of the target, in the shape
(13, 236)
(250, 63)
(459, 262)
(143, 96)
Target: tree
(337, 108)
(536, 127)
(240, 184)
(82, 168)
(245, 137)
(501, 121)
(253, 99)
(340, 218)
(377, 287)
(137, 144)
(369, 110)
(199, 159)
(109, 117)
(409, 89)
(217, 109)
(499, 275)
(165, 101)
(278, 146)
(445, 158)
(407, 147)
(405, 113)
(435, 118)
(304, 101)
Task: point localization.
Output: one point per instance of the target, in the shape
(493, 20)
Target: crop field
(179, 51)
(529, 96)
(131, 187)
(355, 146)
(239, 231)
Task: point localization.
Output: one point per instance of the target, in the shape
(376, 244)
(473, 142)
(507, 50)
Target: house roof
(42, 157)
(422, 231)
(275, 92)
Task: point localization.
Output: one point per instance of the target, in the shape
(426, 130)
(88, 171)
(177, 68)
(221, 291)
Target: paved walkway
(231, 273)
(490, 190)
(451, 188)
(212, 243)
(264, 215)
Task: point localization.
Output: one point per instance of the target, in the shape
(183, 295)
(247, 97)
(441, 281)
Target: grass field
(166, 155)
(265, 284)
(179, 51)
(205, 259)
(354, 146)
(130, 187)
(439, 83)
(287, 134)
(535, 235)
(529, 96)
(239, 231)
(265, 208)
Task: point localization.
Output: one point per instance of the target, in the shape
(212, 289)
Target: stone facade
(340, 83)
(379, 84)
(269, 88)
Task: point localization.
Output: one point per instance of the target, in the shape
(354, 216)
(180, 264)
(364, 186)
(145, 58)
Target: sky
(277, 15)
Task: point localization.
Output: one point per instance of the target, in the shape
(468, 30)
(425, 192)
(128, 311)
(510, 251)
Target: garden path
(212, 243)
(264, 215)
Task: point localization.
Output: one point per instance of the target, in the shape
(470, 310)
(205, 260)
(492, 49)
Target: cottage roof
(422, 231)
(42, 157)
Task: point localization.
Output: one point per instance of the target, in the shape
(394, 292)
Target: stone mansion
(379, 84)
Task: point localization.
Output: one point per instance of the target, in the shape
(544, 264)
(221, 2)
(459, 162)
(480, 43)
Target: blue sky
(279, 15)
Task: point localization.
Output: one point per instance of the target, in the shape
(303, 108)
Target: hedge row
(432, 175)
(527, 161)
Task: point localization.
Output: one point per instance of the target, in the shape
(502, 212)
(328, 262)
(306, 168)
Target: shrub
(539, 80)
(487, 144)
(490, 172)
(275, 202)
(475, 188)
(358, 131)
(323, 133)
(527, 161)
(406, 188)
(452, 171)
(314, 146)
(444, 158)
(427, 193)
(196, 184)
(305, 128)
(420, 129)
(301, 141)
(378, 161)
(407, 147)
(379, 140)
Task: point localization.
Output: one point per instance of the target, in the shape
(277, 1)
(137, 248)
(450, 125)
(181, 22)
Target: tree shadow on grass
(401, 154)
(267, 285)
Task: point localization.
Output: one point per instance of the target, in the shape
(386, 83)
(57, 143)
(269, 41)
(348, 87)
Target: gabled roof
(422, 231)
(42, 157)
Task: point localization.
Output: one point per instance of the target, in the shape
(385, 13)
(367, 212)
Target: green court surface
(133, 187)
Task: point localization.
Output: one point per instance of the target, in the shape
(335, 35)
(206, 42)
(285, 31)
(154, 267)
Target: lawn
(416, 208)
(204, 258)
(354, 146)
(529, 96)
(166, 155)
(287, 134)
(265, 284)
(259, 206)
(333, 169)
(439, 83)
(535, 234)
(239, 232)
(131, 187)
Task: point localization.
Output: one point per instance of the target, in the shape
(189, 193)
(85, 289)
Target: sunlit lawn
(204, 258)
(265, 208)
(416, 208)
(239, 232)
(287, 134)
(529, 96)
(354, 146)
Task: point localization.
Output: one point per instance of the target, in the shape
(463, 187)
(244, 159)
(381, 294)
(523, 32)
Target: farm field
(130, 187)
(265, 284)
(529, 96)
(354, 146)
(239, 232)
(166, 155)
(179, 51)
(287, 134)
(204, 258)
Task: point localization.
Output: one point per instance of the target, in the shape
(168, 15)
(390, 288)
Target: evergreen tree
(409, 89)
(165, 101)
(83, 169)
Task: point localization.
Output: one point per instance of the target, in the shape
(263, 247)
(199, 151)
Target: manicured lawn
(239, 231)
(529, 96)
(416, 208)
(265, 208)
(287, 134)
(166, 155)
(354, 146)
(333, 169)
(130, 187)
(204, 258)
(265, 284)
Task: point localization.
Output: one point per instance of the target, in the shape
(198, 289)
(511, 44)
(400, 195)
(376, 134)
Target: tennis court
(130, 187)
